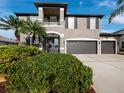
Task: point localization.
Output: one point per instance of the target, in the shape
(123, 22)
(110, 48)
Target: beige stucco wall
(23, 18)
(80, 32)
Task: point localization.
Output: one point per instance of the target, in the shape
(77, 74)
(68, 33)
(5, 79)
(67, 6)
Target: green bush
(49, 73)
(13, 53)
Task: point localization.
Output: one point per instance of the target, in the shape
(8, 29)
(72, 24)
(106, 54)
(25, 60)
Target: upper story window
(71, 23)
(53, 19)
(33, 18)
(92, 23)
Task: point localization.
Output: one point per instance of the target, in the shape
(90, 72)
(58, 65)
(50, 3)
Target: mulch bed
(2, 89)
(91, 90)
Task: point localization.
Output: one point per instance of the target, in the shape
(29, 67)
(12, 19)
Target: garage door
(108, 47)
(82, 47)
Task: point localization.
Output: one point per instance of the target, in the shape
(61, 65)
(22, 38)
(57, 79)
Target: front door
(53, 43)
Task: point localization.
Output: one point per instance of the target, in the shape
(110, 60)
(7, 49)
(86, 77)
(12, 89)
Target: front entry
(53, 43)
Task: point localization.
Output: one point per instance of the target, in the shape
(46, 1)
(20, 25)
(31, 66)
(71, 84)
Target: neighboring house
(117, 36)
(7, 41)
(120, 33)
(70, 33)
(109, 43)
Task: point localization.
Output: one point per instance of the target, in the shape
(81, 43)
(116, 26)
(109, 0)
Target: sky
(105, 7)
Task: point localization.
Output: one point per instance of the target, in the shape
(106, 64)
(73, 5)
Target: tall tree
(118, 11)
(12, 23)
(35, 29)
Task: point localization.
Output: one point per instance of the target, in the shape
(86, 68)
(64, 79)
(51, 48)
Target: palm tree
(13, 23)
(118, 11)
(35, 29)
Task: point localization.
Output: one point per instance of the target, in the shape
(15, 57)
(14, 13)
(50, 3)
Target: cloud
(81, 2)
(107, 3)
(119, 19)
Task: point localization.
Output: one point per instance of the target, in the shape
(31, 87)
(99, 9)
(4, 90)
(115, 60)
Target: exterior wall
(23, 38)
(80, 32)
(23, 18)
(40, 14)
(121, 39)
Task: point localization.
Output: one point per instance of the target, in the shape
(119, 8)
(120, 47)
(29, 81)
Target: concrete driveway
(108, 72)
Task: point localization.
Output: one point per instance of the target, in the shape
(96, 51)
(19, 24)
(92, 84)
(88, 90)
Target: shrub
(13, 53)
(49, 73)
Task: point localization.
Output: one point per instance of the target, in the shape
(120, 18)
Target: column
(41, 14)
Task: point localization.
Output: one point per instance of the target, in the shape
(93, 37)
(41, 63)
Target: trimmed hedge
(32, 71)
(49, 73)
(13, 53)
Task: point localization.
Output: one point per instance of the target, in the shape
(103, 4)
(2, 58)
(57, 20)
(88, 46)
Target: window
(33, 18)
(122, 44)
(71, 22)
(92, 23)
(53, 19)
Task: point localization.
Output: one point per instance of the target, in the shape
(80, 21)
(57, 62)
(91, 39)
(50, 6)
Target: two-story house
(67, 33)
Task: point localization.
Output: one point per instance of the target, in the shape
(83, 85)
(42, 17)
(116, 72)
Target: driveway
(108, 72)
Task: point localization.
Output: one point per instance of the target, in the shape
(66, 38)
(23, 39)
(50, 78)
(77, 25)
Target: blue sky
(7, 7)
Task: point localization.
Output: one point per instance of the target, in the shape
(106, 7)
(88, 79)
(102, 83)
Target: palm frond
(120, 2)
(116, 12)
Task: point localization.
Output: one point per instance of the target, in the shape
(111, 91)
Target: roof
(119, 32)
(5, 39)
(26, 14)
(54, 4)
(108, 34)
(50, 4)
(85, 15)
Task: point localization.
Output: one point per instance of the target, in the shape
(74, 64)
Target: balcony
(53, 24)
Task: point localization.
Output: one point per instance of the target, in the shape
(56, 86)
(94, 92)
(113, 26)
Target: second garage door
(82, 47)
(108, 47)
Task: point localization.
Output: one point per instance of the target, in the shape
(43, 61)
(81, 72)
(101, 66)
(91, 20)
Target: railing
(53, 23)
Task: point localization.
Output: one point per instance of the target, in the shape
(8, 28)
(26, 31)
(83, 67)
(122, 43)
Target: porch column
(41, 14)
(61, 15)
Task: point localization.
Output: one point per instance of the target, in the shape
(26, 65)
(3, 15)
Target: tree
(118, 11)
(13, 23)
(35, 29)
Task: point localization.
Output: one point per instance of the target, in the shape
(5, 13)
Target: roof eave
(25, 14)
(85, 15)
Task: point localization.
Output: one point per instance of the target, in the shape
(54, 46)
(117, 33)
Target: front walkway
(108, 72)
